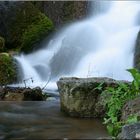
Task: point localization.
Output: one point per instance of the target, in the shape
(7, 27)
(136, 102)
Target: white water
(99, 46)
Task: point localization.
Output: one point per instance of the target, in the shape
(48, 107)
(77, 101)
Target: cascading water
(99, 46)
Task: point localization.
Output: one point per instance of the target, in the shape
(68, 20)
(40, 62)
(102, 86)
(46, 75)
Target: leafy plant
(99, 87)
(7, 69)
(119, 96)
(136, 82)
(132, 119)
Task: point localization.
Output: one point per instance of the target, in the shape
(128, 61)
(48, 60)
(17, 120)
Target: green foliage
(119, 95)
(114, 129)
(99, 87)
(136, 82)
(132, 119)
(28, 27)
(35, 32)
(7, 69)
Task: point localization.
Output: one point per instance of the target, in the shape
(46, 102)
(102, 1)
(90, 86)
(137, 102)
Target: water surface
(43, 120)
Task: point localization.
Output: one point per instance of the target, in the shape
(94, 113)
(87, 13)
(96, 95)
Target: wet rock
(82, 97)
(137, 53)
(21, 94)
(100, 107)
(34, 94)
(11, 96)
(132, 107)
(131, 131)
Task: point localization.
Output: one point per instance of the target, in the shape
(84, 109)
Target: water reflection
(43, 120)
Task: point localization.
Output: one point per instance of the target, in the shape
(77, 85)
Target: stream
(44, 120)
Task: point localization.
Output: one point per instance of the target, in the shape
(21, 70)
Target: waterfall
(102, 45)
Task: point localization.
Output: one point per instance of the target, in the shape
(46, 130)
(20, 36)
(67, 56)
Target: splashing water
(99, 46)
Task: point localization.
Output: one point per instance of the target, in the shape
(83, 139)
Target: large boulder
(132, 107)
(7, 69)
(130, 131)
(82, 97)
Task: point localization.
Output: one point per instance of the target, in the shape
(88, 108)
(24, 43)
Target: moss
(2, 43)
(35, 32)
(7, 69)
(30, 26)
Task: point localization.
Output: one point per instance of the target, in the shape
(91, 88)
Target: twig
(24, 83)
(47, 82)
(27, 80)
(88, 74)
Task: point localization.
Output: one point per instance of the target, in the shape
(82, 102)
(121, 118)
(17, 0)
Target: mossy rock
(29, 27)
(35, 32)
(2, 43)
(7, 69)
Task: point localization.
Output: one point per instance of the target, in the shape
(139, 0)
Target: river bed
(43, 120)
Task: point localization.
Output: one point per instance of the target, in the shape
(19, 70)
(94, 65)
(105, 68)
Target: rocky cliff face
(63, 11)
(24, 24)
(7, 15)
(137, 53)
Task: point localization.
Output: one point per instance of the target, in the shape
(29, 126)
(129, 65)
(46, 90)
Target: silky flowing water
(43, 120)
(101, 45)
